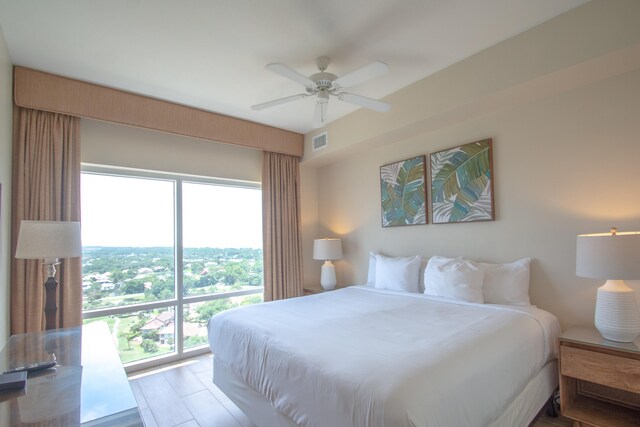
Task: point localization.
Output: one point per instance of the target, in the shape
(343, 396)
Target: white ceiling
(211, 54)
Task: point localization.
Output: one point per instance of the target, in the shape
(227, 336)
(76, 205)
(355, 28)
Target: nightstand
(311, 289)
(599, 379)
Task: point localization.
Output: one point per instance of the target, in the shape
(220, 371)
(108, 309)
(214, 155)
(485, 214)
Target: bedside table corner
(599, 379)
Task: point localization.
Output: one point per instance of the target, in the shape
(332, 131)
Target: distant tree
(129, 274)
(253, 299)
(206, 280)
(166, 293)
(236, 273)
(135, 328)
(194, 341)
(129, 336)
(197, 267)
(116, 276)
(150, 335)
(162, 289)
(132, 287)
(257, 267)
(149, 346)
(205, 311)
(94, 296)
(188, 282)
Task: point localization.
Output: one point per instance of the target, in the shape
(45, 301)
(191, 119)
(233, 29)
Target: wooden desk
(88, 388)
(599, 379)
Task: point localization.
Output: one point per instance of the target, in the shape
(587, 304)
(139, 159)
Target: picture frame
(403, 192)
(462, 183)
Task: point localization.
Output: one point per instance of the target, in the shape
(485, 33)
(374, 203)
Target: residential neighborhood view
(123, 276)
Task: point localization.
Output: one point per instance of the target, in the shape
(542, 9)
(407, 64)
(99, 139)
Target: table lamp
(49, 241)
(327, 250)
(615, 257)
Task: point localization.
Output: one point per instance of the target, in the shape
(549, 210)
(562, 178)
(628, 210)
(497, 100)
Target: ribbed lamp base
(328, 275)
(617, 312)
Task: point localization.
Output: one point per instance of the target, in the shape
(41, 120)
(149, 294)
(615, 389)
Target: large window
(162, 254)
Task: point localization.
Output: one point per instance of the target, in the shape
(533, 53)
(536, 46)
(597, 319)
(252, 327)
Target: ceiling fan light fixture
(323, 95)
(324, 84)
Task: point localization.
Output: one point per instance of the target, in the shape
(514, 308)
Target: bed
(362, 356)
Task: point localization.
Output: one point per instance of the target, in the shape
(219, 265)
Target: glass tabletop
(87, 387)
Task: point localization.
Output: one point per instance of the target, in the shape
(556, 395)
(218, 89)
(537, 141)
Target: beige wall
(309, 222)
(566, 151)
(124, 146)
(6, 121)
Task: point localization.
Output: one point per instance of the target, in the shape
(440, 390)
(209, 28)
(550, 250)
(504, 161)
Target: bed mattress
(362, 357)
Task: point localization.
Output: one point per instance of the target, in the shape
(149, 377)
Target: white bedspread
(362, 357)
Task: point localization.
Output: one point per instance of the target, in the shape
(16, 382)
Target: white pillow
(507, 283)
(454, 278)
(397, 274)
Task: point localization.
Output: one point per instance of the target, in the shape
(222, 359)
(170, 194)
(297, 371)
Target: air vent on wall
(320, 141)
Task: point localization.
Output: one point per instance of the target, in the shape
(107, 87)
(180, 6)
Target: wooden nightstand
(312, 289)
(599, 379)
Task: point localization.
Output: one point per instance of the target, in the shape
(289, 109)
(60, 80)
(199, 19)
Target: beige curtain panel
(46, 187)
(281, 226)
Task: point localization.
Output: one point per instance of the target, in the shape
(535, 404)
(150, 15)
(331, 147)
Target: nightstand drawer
(600, 368)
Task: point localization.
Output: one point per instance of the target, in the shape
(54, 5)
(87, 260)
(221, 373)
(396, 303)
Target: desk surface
(88, 387)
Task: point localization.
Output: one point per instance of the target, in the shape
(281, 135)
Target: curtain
(281, 226)
(45, 187)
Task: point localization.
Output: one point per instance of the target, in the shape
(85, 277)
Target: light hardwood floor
(183, 394)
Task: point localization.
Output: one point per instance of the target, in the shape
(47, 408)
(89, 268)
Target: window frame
(179, 300)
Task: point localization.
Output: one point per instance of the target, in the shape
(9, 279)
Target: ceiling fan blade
(363, 101)
(278, 101)
(363, 74)
(320, 114)
(290, 73)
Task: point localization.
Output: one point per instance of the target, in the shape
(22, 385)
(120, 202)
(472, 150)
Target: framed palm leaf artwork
(462, 183)
(403, 192)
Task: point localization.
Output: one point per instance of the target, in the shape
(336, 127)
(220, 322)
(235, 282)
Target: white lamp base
(617, 312)
(328, 275)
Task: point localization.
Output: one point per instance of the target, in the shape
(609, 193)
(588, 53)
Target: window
(162, 250)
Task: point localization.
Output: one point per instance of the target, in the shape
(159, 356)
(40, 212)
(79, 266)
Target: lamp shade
(49, 239)
(327, 249)
(613, 256)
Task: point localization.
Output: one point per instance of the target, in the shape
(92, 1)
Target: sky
(123, 211)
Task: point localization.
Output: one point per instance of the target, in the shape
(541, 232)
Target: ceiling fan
(323, 85)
